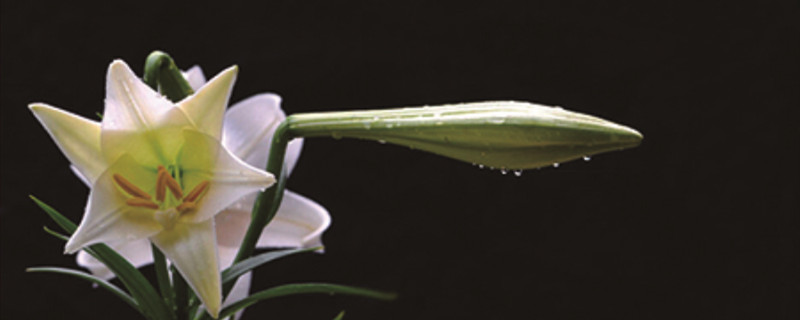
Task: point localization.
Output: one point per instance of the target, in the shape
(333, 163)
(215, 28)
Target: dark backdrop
(698, 222)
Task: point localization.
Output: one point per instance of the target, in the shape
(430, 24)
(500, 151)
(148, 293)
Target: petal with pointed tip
(80, 176)
(195, 77)
(108, 218)
(192, 248)
(77, 137)
(204, 158)
(240, 291)
(130, 103)
(206, 107)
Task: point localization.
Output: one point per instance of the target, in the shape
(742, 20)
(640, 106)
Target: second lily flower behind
(158, 171)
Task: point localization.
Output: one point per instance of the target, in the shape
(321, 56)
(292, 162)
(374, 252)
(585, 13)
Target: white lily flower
(157, 171)
(247, 131)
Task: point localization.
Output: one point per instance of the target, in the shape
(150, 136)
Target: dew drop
(382, 141)
(504, 171)
(518, 173)
(555, 165)
(587, 158)
(480, 166)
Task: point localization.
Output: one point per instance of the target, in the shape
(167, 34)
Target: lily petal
(192, 248)
(195, 77)
(80, 176)
(77, 137)
(206, 107)
(299, 222)
(249, 126)
(138, 253)
(230, 179)
(241, 289)
(108, 218)
(130, 103)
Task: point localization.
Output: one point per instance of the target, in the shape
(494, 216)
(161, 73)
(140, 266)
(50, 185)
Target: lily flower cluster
(182, 176)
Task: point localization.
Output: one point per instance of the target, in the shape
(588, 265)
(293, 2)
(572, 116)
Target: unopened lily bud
(503, 134)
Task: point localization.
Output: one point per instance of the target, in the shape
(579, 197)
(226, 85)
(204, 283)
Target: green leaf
(149, 301)
(303, 288)
(233, 272)
(56, 234)
(61, 220)
(340, 316)
(85, 276)
(162, 276)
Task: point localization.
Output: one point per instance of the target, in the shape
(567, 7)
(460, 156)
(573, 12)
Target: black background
(698, 222)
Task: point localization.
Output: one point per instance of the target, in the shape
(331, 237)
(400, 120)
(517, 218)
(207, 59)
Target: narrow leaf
(162, 276)
(56, 234)
(340, 316)
(61, 220)
(302, 288)
(85, 276)
(149, 301)
(233, 272)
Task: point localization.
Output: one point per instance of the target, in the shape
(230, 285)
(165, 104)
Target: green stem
(268, 201)
(161, 73)
(181, 295)
(162, 276)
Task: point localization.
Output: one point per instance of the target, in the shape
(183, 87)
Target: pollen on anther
(185, 206)
(161, 187)
(143, 203)
(173, 186)
(130, 188)
(198, 190)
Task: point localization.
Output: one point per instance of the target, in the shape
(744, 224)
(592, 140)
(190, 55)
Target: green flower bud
(503, 134)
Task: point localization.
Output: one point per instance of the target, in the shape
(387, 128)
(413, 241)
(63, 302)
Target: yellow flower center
(164, 181)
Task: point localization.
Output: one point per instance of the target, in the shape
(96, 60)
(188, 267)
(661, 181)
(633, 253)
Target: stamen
(139, 202)
(173, 186)
(198, 190)
(161, 187)
(185, 206)
(130, 188)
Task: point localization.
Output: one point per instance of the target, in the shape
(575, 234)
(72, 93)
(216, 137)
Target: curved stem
(268, 201)
(161, 73)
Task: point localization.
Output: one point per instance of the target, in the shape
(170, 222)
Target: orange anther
(198, 190)
(130, 188)
(173, 186)
(186, 206)
(161, 184)
(139, 202)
